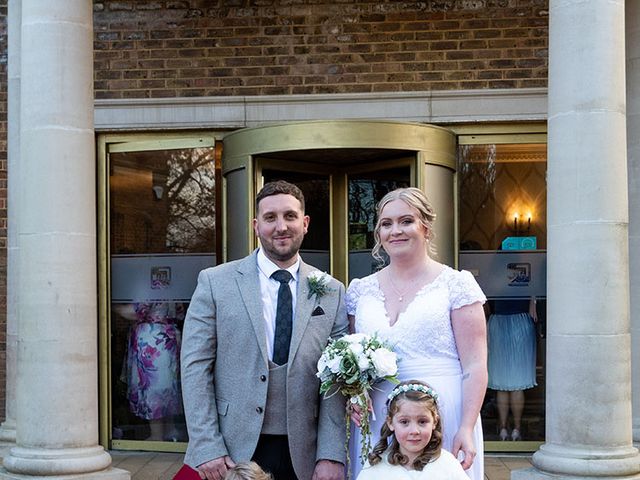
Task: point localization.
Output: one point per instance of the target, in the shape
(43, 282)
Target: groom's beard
(282, 253)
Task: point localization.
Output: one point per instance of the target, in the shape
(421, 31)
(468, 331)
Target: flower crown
(412, 387)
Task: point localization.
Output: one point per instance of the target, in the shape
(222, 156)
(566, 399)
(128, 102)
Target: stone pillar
(56, 391)
(633, 153)
(588, 404)
(8, 427)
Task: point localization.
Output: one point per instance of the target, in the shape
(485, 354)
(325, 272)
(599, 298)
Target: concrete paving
(163, 466)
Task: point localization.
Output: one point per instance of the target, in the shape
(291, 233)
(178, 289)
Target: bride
(433, 316)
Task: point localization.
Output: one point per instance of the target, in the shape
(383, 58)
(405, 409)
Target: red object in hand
(187, 473)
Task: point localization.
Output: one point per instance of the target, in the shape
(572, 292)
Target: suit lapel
(304, 307)
(249, 286)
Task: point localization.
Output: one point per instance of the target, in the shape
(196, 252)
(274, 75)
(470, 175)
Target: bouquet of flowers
(352, 365)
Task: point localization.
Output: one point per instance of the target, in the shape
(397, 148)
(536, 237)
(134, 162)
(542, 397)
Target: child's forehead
(408, 405)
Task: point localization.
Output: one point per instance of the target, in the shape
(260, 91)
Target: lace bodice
(424, 328)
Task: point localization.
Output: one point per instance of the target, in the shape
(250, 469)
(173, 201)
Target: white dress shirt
(269, 293)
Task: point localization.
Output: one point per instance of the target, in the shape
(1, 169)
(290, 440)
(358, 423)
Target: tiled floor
(162, 466)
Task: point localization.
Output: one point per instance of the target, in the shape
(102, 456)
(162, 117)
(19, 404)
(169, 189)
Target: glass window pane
(365, 191)
(162, 232)
(502, 241)
(315, 188)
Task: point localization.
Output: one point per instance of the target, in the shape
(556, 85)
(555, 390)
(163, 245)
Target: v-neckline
(417, 294)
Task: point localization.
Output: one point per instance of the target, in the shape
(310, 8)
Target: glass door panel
(365, 190)
(162, 232)
(502, 224)
(315, 248)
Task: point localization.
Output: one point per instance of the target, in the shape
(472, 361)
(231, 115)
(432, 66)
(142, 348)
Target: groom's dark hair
(280, 187)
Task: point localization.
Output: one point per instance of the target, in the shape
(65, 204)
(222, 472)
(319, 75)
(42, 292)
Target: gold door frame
(338, 199)
(106, 144)
(431, 151)
(434, 147)
(500, 134)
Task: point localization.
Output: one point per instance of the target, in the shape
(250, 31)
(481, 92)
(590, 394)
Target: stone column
(56, 391)
(633, 160)
(8, 427)
(588, 404)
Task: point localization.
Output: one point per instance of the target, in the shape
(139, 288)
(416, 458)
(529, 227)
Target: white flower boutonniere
(318, 283)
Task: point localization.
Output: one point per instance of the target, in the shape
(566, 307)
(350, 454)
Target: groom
(252, 338)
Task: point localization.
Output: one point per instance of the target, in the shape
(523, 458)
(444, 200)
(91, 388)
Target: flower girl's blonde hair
(247, 471)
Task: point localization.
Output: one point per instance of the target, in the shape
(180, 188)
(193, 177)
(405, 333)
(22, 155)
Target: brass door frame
(433, 147)
(338, 199)
(115, 143)
(501, 134)
(240, 157)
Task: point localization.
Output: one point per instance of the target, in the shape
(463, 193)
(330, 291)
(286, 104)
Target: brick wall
(271, 47)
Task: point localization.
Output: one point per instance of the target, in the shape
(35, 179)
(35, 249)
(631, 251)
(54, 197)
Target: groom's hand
(215, 469)
(328, 470)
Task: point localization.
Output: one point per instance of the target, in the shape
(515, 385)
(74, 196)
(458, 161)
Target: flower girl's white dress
(445, 467)
(423, 339)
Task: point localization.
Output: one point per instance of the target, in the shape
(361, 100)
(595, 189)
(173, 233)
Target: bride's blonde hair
(417, 200)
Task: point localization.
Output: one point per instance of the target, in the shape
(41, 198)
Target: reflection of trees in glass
(361, 202)
(364, 195)
(191, 193)
(477, 167)
(477, 176)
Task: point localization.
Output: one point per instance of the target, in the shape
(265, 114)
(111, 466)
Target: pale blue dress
(512, 346)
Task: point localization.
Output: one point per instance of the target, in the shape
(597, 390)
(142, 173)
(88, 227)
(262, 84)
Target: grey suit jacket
(225, 369)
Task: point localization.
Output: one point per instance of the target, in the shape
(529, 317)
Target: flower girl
(411, 439)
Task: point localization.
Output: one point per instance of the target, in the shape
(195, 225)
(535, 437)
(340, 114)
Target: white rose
(322, 363)
(385, 362)
(356, 349)
(363, 363)
(354, 337)
(334, 364)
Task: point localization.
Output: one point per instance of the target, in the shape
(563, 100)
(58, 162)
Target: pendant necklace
(402, 294)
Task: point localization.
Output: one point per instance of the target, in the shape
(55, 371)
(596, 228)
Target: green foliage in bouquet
(352, 365)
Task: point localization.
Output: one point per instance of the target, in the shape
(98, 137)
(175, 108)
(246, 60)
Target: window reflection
(365, 191)
(315, 188)
(162, 233)
(502, 222)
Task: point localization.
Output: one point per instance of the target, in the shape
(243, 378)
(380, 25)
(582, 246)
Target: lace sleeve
(352, 296)
(464, 290)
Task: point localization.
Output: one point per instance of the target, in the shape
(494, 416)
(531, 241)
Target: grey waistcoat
(275, 414)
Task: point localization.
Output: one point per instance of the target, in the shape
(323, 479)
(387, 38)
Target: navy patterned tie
(284, 318)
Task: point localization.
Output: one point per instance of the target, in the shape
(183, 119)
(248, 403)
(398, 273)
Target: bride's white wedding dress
(423, 339)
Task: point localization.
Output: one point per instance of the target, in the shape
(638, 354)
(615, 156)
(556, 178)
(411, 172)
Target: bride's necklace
(398, 292)
(402, 293)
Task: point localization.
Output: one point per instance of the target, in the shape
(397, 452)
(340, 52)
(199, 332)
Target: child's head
(247, 471)
(413, 423)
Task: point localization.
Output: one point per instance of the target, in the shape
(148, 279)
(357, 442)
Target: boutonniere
(318, 283)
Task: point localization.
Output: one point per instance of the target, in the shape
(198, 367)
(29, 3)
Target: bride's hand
(356, 412)
(463, 441)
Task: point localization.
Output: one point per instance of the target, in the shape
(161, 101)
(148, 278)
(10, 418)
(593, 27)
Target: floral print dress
(152, 364)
